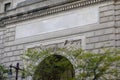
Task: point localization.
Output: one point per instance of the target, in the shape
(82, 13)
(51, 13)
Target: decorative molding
(48, 10)
(70, 41)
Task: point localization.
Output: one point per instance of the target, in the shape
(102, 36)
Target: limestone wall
(13, 4)
(1, 43)
(94, 35)
(117, 23)
(103, 32)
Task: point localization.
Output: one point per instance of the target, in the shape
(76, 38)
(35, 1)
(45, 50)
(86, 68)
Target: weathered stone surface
(92, 36)
(11, 38)
(1, 32)
(13, 48)
(107, 13)
(55, 23)
(109, 30)
(117, 30)
(90, 46)
(117, 7)
(118, 36)
(89, 34)
(17, 52)
(12, 29)
(107, 19)
(117, 17)
(118, 43)
(10, 54)
(7, 49)
(20, 47)
(107, 7)
(105, 44)
(117, 12)
(117, 24)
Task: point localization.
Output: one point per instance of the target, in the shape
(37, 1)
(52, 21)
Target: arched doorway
(54, 67)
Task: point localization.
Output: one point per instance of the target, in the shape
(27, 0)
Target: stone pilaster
(117, 22)
(104, 37)
(1, 44)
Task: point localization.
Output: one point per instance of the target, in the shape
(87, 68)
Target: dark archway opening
(54, 67)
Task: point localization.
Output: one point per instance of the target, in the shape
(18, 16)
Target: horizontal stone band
(46, 11)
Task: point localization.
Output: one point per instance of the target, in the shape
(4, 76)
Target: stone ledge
(62, 33)
(47, 11)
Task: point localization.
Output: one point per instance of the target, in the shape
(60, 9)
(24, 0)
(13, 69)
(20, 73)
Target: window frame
(7, 6)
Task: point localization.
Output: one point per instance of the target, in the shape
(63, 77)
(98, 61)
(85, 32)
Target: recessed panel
(70, 19)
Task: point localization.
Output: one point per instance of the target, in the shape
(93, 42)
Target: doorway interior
(54, 67)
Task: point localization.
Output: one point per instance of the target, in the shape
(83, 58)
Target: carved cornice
(47, 11)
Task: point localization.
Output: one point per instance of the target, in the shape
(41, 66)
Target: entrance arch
(54, 67)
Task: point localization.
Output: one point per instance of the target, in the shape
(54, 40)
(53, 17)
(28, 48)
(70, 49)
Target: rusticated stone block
(107, 13)
(106, 8)
(107, 18)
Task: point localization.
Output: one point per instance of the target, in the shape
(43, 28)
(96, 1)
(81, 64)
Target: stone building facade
(30, 23)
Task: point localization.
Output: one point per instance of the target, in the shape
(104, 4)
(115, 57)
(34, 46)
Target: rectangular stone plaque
(70, 19)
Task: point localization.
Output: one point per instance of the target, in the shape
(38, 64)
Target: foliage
(103, 65)
(53, 66)
(3, 71)
(31, 59)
